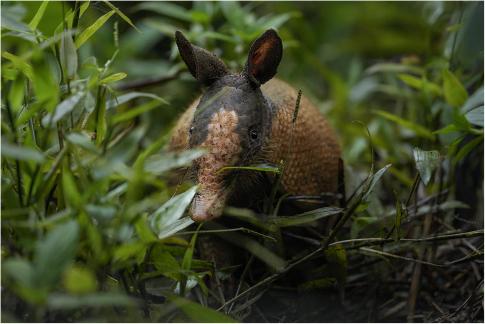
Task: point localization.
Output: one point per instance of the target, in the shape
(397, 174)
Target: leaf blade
(89, 31)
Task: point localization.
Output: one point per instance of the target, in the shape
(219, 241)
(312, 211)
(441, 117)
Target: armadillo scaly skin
(309, 148)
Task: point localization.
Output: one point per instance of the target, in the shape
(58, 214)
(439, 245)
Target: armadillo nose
(199, 212)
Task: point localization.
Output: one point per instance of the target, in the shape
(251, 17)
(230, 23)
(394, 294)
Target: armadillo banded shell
(309, 148)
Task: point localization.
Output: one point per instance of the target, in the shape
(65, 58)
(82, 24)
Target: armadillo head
(232, 119)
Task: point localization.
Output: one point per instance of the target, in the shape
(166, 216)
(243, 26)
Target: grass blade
(418, 129)
(88, 32)
(121, 14)
(38, 15)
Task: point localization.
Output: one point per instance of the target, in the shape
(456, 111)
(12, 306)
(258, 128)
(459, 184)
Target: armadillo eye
(253, 134)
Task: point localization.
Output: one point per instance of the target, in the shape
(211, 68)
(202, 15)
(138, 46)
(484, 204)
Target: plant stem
(17, 162)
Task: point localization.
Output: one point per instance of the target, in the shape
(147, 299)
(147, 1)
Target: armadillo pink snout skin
(205, 208)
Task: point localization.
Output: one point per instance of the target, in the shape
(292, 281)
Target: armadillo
(247, 119)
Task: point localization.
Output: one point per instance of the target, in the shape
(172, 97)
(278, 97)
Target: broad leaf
(88, 32)
(304, 218)
(130, 96)
(171, 211)
(64, 108)
(113, 78)
(420, 84)
(475, 116)
(121, 14)
(426, 163)
(80, 280)
(174, 227)
(418, 129)
(68, 55)
(21, 152)
(455, 93)
(54, 253)
(199, 313)
(160, 163)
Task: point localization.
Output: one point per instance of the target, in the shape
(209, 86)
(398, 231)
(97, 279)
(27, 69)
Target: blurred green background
(90, 91)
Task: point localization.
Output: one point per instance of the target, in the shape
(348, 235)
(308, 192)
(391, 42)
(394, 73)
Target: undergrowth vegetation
(94, 225)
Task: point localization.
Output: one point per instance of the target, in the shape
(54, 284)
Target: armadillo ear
(264, 57)
(202, 64)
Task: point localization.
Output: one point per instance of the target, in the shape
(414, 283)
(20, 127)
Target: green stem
(17, 162)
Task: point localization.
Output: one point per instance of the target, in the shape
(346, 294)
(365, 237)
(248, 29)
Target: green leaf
(174, 227)
(71, 193)
(187, 262)
(68, 56)
(200, 17)
(420, 84)
(88, 32)
(38, 15)
(426, 163)
(20, 64)
(304, 218)
(16, 94)
(22, 280)
(199, 313)
(157, 164)
(336, 257)
(100, 115)
(54, 253)
(166, 263)
(418, 129)
(144, 231)
(130, 250)
(12, 19)
(447, 129)
(45, 83)
(460, 120)
(163, 26)
(171, 211)
(64, 108)
(113, 78)
(467, 148)
(373, 180)
(455, 93)
(475, 116)
(474, 101)
(104, 299)
(394, 68)
(80, 280)
(82, 140)
(276, 21)
(130, 96)
(454, 28)
(189, 252)
(132, 113)
(20, 270)
(121, 14)
(83, 8)
(166, 8)
(22, 153)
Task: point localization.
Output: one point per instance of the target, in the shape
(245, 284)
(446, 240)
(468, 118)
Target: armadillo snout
(207, 206)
